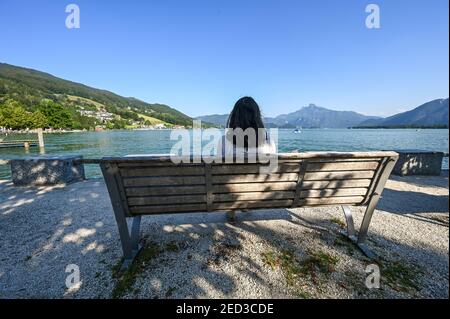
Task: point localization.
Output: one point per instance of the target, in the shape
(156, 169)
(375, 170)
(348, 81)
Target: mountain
(29, 88)
(430, 114)
(221, 120)
(307, 117)
(216, 119)
(313, 116)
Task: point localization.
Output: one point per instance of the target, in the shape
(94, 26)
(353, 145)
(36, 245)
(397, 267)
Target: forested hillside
(29, 99)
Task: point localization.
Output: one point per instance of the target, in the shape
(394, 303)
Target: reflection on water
(119, 143)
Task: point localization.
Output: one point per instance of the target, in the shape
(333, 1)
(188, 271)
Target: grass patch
(344, 242)
(172, 247)
(270, 259)
(338, 222)
(290, 266)
(115, 269)
(356, 282)
(284, 260)
(303, 294)
(127, 278)
(223, 252)
(401, 276)
(317, 263)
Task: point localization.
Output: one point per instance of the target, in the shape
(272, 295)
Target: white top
(228, 148)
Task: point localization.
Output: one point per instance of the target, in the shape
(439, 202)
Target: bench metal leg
(231, 216)
(125, 239)
(135, 228)
(364, 228)
(349, 221)
(388, 165)
(351, 233)
(130, 242)
(367, 218)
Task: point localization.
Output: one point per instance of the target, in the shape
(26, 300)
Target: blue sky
(200, 56)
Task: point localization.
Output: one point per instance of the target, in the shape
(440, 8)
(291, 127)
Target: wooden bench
(155, 185)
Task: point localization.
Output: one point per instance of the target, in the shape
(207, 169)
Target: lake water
(118, 143)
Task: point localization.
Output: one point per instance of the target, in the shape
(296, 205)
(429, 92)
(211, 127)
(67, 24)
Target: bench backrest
(155, 185)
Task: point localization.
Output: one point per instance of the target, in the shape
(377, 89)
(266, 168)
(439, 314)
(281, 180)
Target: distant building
(159, 126)
(101, 115)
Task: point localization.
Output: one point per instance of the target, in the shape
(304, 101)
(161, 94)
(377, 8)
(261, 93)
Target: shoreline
(80, 131)
(189, 128)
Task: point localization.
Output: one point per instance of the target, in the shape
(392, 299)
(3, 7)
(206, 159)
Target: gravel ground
(295, 253)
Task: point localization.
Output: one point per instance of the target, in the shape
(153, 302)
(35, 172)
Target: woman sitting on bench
(246, 115)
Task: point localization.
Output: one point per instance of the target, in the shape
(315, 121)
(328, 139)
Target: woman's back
(228, 148)
(245, 130)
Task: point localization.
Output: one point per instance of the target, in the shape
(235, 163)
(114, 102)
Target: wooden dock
(19, 143)
(25, 143)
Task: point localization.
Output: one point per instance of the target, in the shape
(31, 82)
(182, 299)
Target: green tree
(13, 115)
(38, 120)
(57, 116)
(110, 125)
(116, 124)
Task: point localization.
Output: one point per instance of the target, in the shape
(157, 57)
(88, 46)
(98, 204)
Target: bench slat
(162, 200)
(253, 196)
(253, 168)
(254, 178)
(341, 175)
(252, 204)
(165, 190)
(254, 187)
(336, 184)
(153, 164)
(342, 166)
(331, 201)
(333, 192)
(162, 171)
(344, 160)
(164, 180)
(138, 210)
(226, 206)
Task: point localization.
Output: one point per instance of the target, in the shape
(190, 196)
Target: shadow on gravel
(330, 239)
(425, 181)
(407, 202)
(45, 230)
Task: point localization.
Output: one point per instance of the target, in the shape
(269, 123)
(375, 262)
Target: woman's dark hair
(245, 114)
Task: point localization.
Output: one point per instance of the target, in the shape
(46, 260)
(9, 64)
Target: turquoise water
(118, 143)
